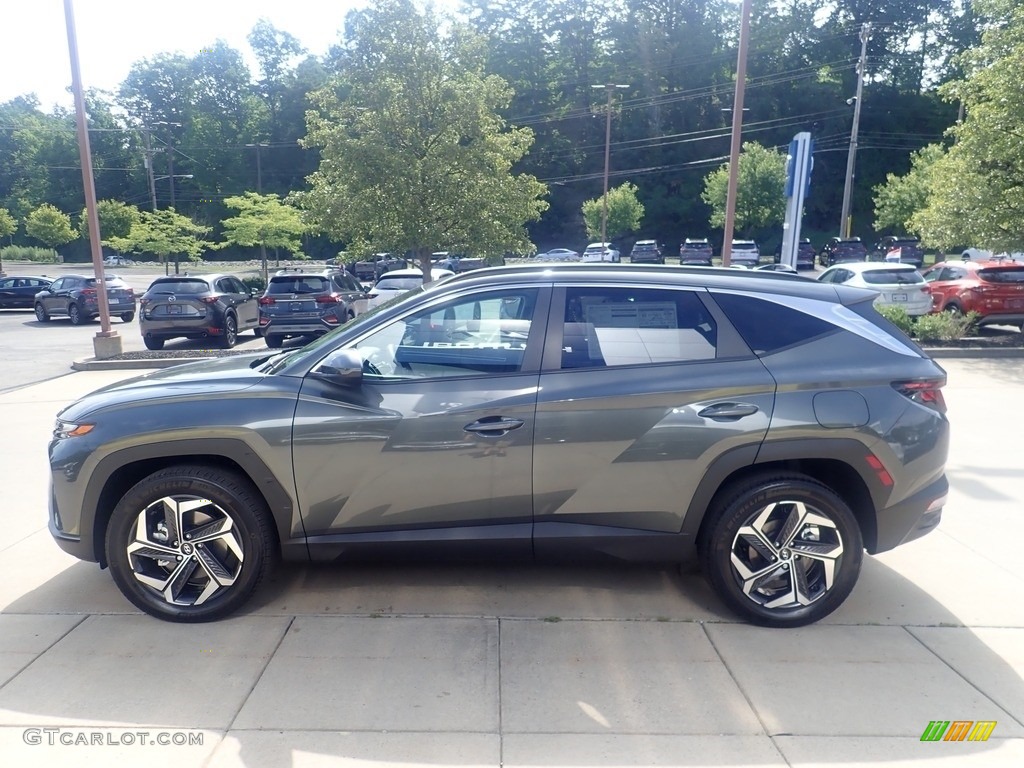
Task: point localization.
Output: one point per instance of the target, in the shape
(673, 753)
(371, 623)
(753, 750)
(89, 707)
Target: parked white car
(898, 285)
(980, 254)
(600, 252)
(399, 281)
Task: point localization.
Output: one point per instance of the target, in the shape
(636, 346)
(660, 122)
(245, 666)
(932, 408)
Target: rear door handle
(494, 426)
(728, 411)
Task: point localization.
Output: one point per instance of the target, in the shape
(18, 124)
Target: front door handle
(493, 426)
(728, 411)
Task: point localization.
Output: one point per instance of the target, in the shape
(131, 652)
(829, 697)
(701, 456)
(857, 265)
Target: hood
(213, 378)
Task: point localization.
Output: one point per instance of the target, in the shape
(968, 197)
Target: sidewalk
(387, 664)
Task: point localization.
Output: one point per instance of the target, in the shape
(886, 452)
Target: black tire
(153, 342)
(227, 548)
(738, 547)
(229, 337)
(41, 314)
(953, 309)
(75, 314)
(275, 341)
(127, 317)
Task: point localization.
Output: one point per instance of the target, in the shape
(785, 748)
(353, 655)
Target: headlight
(65, 429)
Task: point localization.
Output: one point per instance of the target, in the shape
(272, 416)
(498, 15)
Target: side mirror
(343, 367)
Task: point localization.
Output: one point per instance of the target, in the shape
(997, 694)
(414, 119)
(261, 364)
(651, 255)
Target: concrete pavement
(392, 664)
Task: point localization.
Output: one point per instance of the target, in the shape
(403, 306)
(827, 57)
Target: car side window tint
(57, 284)
(609, 326)
(767, 326)
(478, 335)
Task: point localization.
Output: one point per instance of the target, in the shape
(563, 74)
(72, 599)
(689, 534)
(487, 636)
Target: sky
(114, 34)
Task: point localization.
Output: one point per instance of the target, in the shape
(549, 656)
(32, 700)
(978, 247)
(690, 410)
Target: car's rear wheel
(127, 317)
(229, 338)
(954, 310)
(75, 314)
(275, 341)
(41, 314)
(153, 342)
(782, 550)
(190, 543)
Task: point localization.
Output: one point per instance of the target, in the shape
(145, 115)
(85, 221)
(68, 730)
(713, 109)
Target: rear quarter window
(768, 327)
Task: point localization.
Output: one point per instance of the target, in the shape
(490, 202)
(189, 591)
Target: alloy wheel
(185, 549)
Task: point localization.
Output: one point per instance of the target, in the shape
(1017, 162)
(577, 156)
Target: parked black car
(772, 427)
(646, 252)
(76, 297)
(839, 249)
(908, 248)
(20, 292)
(695, 251)
(805, 254)
(308, 302)
(217, 307)
(370, 270)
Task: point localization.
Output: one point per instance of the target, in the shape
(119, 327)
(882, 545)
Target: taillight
(208, 299)
(327, 300)
(143, 302)
(266, 301)
(927, 392)
(88, 292)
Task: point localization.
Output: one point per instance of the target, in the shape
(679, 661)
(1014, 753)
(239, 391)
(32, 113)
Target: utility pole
(149, 168)
(259, 191)
(851, 159)
(737, 128)
(610, 88)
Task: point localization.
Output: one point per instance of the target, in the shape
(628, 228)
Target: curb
(92, 364)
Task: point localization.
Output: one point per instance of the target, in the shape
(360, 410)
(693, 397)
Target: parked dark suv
(696, 252)
(646, 252)
(906, 250)
(217, 307)
(839, 249)
(76, 297)
(773, 428)
(370, 270)
(308, 302)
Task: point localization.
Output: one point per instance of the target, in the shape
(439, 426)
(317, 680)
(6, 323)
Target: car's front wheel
(782, 550)
(190, 543)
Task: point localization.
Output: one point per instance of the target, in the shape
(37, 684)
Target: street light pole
(737, 127)
(259, 191)
(851, 158)
(610, 88)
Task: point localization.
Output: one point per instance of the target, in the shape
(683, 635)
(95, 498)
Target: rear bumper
(911, 518)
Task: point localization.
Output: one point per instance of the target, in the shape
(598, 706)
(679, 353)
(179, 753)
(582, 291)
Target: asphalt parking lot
(397, 664)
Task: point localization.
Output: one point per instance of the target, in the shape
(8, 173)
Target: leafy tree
(625, 211)
(760, 189)
(116, 221)
(977, 190)
(8, 224)
(902, 197)
(50, 226)
(162, 233)
(265, 221)
(415, 156)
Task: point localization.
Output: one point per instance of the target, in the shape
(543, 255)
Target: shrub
(28, 253)
(944, 326)
(897, 316)
(254, 282)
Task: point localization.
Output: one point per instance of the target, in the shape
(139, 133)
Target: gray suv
(773, 429)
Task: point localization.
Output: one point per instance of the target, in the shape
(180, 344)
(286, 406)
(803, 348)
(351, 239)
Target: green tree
(977, 187)
(760, 189)
(415, 156)
(8, 224)
(116, 221)
(901, 198)
(265, 221)
(49, 226)
(625, 212)
(163, 233)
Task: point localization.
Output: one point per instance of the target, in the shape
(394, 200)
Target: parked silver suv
(772, 428)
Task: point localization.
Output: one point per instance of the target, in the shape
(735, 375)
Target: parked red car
(993, 289)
